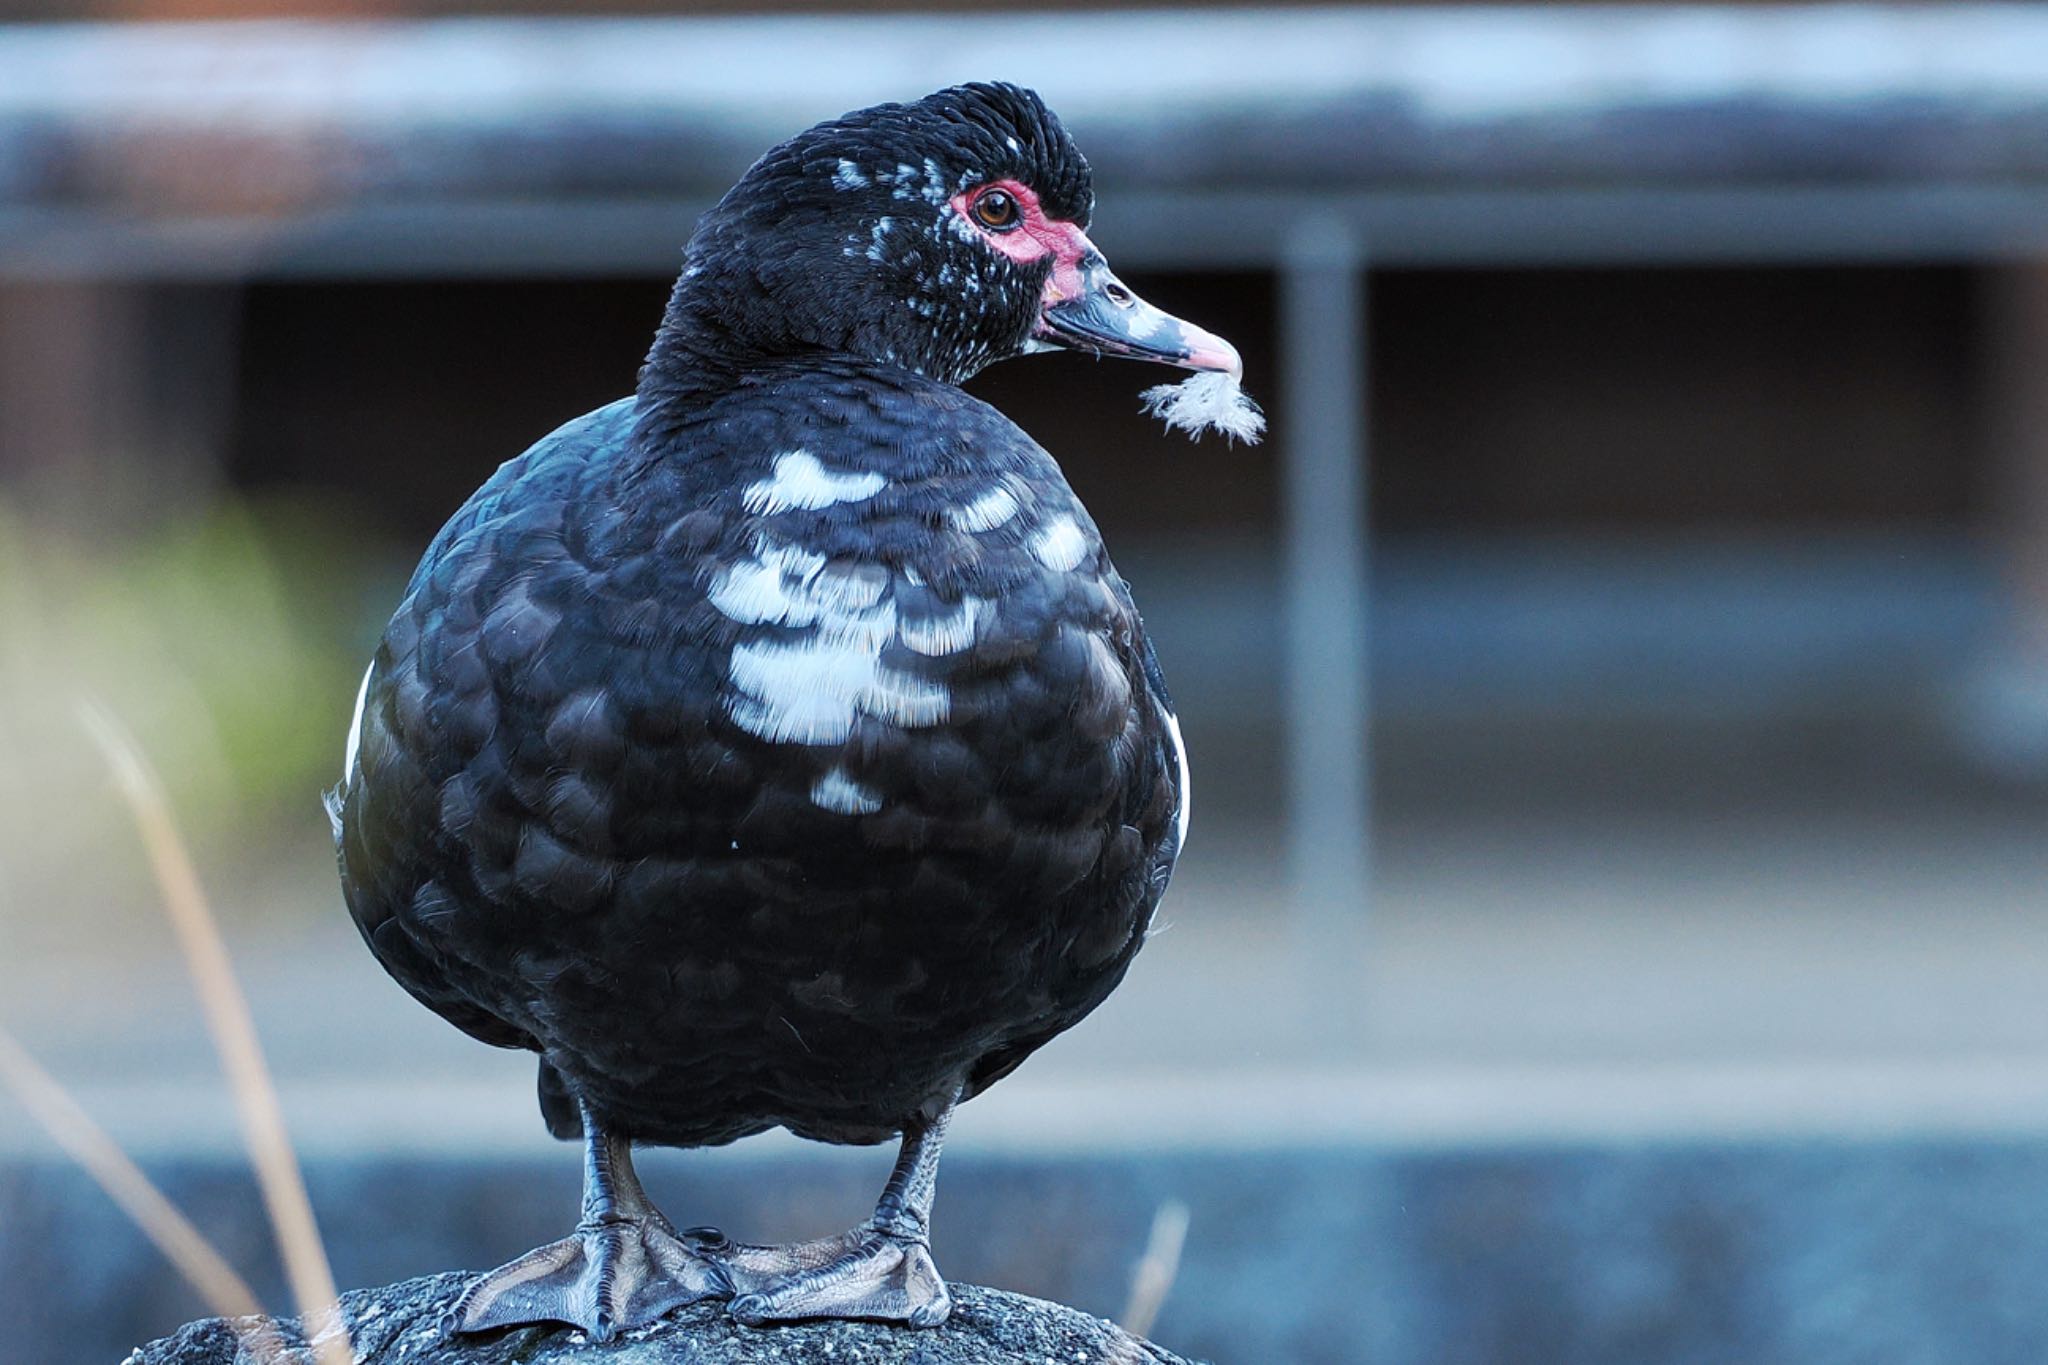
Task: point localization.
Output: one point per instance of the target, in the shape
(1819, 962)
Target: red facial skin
(1034, 238)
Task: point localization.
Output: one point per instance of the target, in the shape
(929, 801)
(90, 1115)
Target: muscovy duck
(778, 746)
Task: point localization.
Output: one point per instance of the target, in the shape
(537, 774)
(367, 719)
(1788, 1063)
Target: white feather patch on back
(808, 691)
(986, 512)
(801, 481)
(837, 791)
(1061, 545)
(934, 636)
(772, 588)
(1209, 401)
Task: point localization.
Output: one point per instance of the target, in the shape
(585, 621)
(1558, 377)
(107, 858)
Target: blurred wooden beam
(272, 120)
(559, 143)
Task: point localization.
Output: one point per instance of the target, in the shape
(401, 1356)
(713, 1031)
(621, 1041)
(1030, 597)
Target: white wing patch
(836, 791)
(355, 728)
(848, 176)
(800, 481)
(1061, 545)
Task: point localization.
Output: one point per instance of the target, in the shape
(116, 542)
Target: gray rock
(401, 1325)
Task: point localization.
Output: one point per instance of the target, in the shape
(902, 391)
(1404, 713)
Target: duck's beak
(1087, 308)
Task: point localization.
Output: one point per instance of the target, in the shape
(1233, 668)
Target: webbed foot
(607, 1277)
(882, 1269)
(871, 1272)
(623, 1267)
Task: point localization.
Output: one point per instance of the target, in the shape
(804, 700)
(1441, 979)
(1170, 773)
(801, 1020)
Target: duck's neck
(695, 357)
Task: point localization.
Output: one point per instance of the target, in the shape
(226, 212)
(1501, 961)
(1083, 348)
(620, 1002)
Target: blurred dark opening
(405, 396)
(1630, 399)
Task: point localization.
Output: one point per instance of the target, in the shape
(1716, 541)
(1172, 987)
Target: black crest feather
(984, 130)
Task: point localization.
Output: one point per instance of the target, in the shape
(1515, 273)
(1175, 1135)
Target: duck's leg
(882, 1269)
(625, 1265)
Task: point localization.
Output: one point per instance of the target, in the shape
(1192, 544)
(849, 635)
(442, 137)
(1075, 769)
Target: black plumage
(778, 746)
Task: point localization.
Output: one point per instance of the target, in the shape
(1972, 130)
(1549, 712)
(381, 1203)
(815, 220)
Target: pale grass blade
(234, 1036)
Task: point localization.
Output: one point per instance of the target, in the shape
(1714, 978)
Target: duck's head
(940, 236)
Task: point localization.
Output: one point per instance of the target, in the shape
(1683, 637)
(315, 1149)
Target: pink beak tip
(1210, 352)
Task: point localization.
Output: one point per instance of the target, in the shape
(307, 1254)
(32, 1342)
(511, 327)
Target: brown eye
(996, 209)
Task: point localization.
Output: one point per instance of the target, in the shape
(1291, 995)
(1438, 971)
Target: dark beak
(1090, 309)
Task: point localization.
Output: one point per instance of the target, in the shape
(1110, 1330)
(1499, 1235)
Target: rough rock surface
(401, 1325)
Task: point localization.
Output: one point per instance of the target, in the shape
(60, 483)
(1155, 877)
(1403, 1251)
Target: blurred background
(1616, 913)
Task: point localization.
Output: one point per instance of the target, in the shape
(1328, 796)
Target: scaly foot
(874, 1271)
(610, 1275)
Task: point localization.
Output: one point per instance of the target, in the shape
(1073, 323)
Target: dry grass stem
(234, 1036)
(89, 1145)
(1157, 1268)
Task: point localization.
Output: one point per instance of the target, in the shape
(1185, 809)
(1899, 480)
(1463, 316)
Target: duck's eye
(996, 209)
